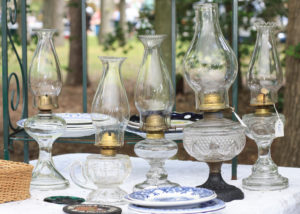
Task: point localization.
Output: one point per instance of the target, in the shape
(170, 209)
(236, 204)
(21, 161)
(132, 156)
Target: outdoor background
(112, 29)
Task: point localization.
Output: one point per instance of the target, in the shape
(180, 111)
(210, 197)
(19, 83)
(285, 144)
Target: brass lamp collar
(155, 123)
(108, 151)
(262, 111)
(212, 103)
(155, 135)
(47, 102)
(108, 144)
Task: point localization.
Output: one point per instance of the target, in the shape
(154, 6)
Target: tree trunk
(163, 25)
(53, 14)
(123, 21)
(74, 76)
(106, 25)
(287, 152)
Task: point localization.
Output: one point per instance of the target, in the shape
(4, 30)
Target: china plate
(209, 206)
(78, 124)
(170, 196)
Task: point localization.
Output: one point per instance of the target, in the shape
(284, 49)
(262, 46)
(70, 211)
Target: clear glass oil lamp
(264, 80)
(105, 172)
(154, 99)
(210, 67)
(45, 83)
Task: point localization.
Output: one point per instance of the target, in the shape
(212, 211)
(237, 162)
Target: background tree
(53, 14)
(162, 25)
(288, 150)
(123, 22)
(106, 26)
(74, 76)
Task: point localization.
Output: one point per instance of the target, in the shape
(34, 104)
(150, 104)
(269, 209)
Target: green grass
(129, 68)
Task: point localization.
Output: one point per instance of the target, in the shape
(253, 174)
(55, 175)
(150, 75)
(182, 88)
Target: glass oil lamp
(264, 80)
(45, 83)
(210, 68)
(154, 99)
(106, 171)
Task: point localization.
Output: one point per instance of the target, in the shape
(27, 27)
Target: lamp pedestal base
(216, 183)
(155, 152)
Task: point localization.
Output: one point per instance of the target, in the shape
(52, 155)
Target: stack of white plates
(167, 200)
(78, 124)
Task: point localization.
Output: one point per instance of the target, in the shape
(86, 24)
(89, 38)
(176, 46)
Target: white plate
(209, 206)
(170, 196)
(78, 124)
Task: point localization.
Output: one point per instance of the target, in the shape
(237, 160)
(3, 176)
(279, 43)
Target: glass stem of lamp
(264, 151)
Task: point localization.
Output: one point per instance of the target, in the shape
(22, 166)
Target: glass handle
(85, 183)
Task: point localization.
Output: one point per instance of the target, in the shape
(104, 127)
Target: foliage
(294, 51)
(248, 12)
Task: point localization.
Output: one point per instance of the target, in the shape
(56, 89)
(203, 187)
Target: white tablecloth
(186, 173)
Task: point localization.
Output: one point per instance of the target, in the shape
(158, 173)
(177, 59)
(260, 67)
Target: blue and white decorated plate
(170, 196)
(78, 124)
(209, 206)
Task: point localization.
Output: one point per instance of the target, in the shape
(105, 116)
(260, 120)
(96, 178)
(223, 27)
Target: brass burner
(262, 100)
(155, 123)
(47, 103)
(212, 102)
(109, 144)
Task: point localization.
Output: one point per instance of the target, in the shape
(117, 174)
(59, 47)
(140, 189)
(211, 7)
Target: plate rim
(221, 206)
(172, 203)
(69, 132)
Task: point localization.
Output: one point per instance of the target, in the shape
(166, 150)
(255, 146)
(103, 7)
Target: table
(186, 173)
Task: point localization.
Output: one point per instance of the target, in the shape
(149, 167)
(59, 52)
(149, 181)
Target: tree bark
(53, 14)
(123, 21)
(74, 76)
(162, 25)
(287, 152)
(106, 25)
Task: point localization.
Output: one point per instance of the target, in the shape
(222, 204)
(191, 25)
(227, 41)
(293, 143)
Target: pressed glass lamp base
(265, 174)
(45, 128)
(258, 183)
(156, 152)
(103, 175)
(156, 177)
(46, 177)
(107, 195)
(216, 183)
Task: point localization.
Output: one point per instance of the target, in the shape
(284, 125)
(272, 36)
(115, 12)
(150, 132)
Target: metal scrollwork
(13, 11)
(12, 8)
(13, 106)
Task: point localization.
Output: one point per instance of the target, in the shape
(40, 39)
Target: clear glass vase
(154, 99)
(45, 83)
